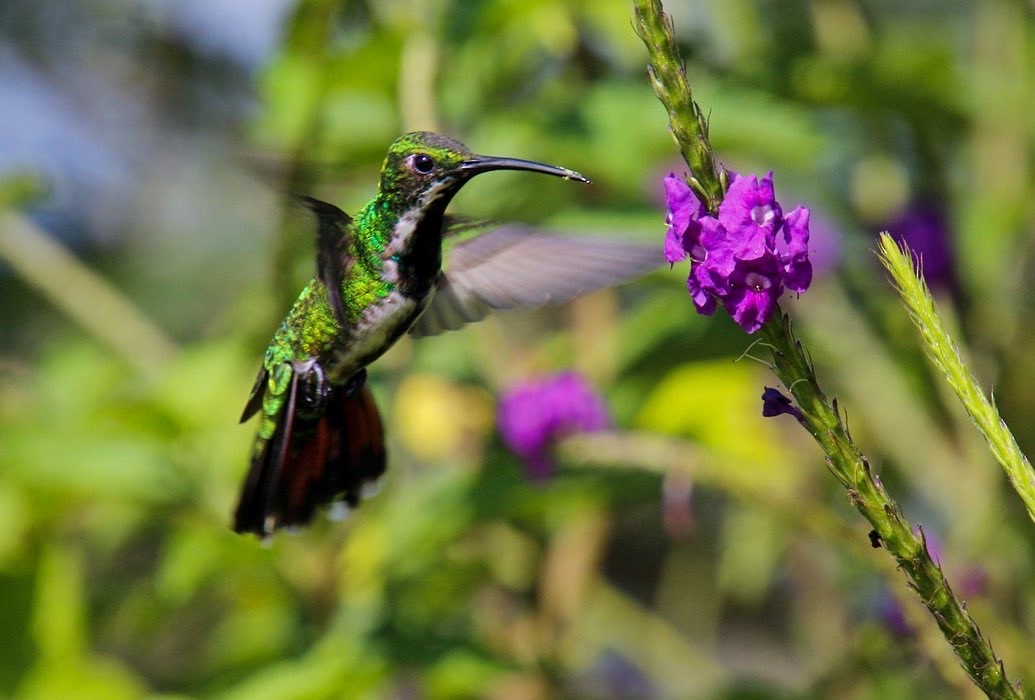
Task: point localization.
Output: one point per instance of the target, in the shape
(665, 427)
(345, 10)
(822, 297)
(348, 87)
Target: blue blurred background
(147, 251)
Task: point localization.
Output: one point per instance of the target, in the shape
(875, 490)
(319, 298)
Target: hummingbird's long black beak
(483, 164)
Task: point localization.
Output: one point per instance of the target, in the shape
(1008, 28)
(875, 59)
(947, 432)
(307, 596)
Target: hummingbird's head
(423, 168)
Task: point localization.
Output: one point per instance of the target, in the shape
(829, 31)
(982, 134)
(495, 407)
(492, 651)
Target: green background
(701, 552)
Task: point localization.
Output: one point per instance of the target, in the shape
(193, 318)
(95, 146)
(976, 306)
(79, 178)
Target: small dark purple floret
(774, 403)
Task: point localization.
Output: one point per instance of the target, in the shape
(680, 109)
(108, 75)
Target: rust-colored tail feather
(312, 461)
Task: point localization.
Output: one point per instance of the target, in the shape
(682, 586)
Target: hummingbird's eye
(423, 163)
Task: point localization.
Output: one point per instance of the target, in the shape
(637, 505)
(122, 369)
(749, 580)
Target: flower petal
(750, 308)
(700, 294)
(797, 275)
(796, 231)
(678, 194)
(794, 261)
(750, 205)
(675, 251)
(754, 288)
(714, 247)
(683, 210)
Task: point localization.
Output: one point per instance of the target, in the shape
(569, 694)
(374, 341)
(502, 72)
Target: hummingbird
(380, 275)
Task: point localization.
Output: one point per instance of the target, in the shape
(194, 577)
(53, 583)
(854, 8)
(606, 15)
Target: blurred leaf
(262, 630)
(718, 404)
(752, 547)
(19, 190)
(439, 420)
(788, 136)
(116, 557)
(81, 679)
(326, 672)
(17, 521)
(292, 85)
(59, 611)
(191, 557)
(462, 674)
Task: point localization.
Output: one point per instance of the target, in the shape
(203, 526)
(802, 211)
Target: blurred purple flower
(923, 227)
(891, 615)
(933, 544)
(824, 246)
(746, 256)
(534, 414)
(973, 583)
(612, 675)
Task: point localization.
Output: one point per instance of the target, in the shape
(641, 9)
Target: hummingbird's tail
(312, 458)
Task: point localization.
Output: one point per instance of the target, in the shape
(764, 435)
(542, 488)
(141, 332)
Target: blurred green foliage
(119, 576)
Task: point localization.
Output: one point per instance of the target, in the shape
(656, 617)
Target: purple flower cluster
(534, 414)
(746, 256)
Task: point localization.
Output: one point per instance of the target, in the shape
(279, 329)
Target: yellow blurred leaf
(58, 610)
(718, 405)
(438, 420)
(81, 679)
(752, 545)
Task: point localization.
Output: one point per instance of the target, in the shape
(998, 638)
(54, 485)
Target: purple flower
(750, 208)
(924, 229)
(775, 403)
(534, 414)
(793, 251)
(683, 212)
(752, 291)
(746, 256)
(891, 615)
(824, 246)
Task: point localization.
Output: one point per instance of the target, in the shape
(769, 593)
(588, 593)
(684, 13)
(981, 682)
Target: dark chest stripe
(421, 261)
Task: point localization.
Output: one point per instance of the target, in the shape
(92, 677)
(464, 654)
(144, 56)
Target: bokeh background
(147, 251)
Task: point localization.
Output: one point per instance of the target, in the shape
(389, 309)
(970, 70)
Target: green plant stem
(83, 295)
(418, 66)
(866, 492)
(946, 356)
(668, 78)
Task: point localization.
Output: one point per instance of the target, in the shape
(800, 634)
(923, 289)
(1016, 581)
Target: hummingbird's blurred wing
(460, 226)
(518, 267)
(332, 234)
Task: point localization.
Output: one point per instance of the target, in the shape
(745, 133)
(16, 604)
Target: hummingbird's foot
(315, 387)
(356, 382)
